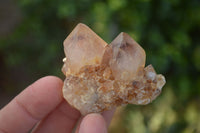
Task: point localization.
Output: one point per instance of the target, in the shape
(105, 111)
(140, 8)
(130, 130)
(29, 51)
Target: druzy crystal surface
(100, 76)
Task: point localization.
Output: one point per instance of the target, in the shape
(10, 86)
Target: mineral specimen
(100, 76)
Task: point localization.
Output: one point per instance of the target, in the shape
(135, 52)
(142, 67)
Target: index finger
(31, 105)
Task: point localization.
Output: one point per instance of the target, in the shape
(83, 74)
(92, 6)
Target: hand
(41, 107)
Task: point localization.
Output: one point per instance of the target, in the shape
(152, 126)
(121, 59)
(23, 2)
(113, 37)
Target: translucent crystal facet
(82, 47)
(126, 57)
(100, 76)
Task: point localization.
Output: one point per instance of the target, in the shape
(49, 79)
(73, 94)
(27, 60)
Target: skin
(42, 109)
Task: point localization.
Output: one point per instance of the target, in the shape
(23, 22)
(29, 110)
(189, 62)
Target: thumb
(93, 123)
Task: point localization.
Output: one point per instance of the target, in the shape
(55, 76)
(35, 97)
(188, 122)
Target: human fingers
(61, 120)
(31, 105)
(107, 116)
(93, 123)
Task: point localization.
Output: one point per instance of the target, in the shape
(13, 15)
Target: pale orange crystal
(126, 57)
(100, 76)
(82, 47)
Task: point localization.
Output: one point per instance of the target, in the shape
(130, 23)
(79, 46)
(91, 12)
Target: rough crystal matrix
(100, 76)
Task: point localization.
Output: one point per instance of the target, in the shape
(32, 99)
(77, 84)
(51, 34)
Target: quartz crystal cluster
(100, 76)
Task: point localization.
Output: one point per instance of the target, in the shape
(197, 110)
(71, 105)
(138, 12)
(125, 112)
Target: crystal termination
(100, 76)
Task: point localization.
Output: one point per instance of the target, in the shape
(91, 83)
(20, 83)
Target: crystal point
(127, 57)
(82, 47)
(100, 76)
